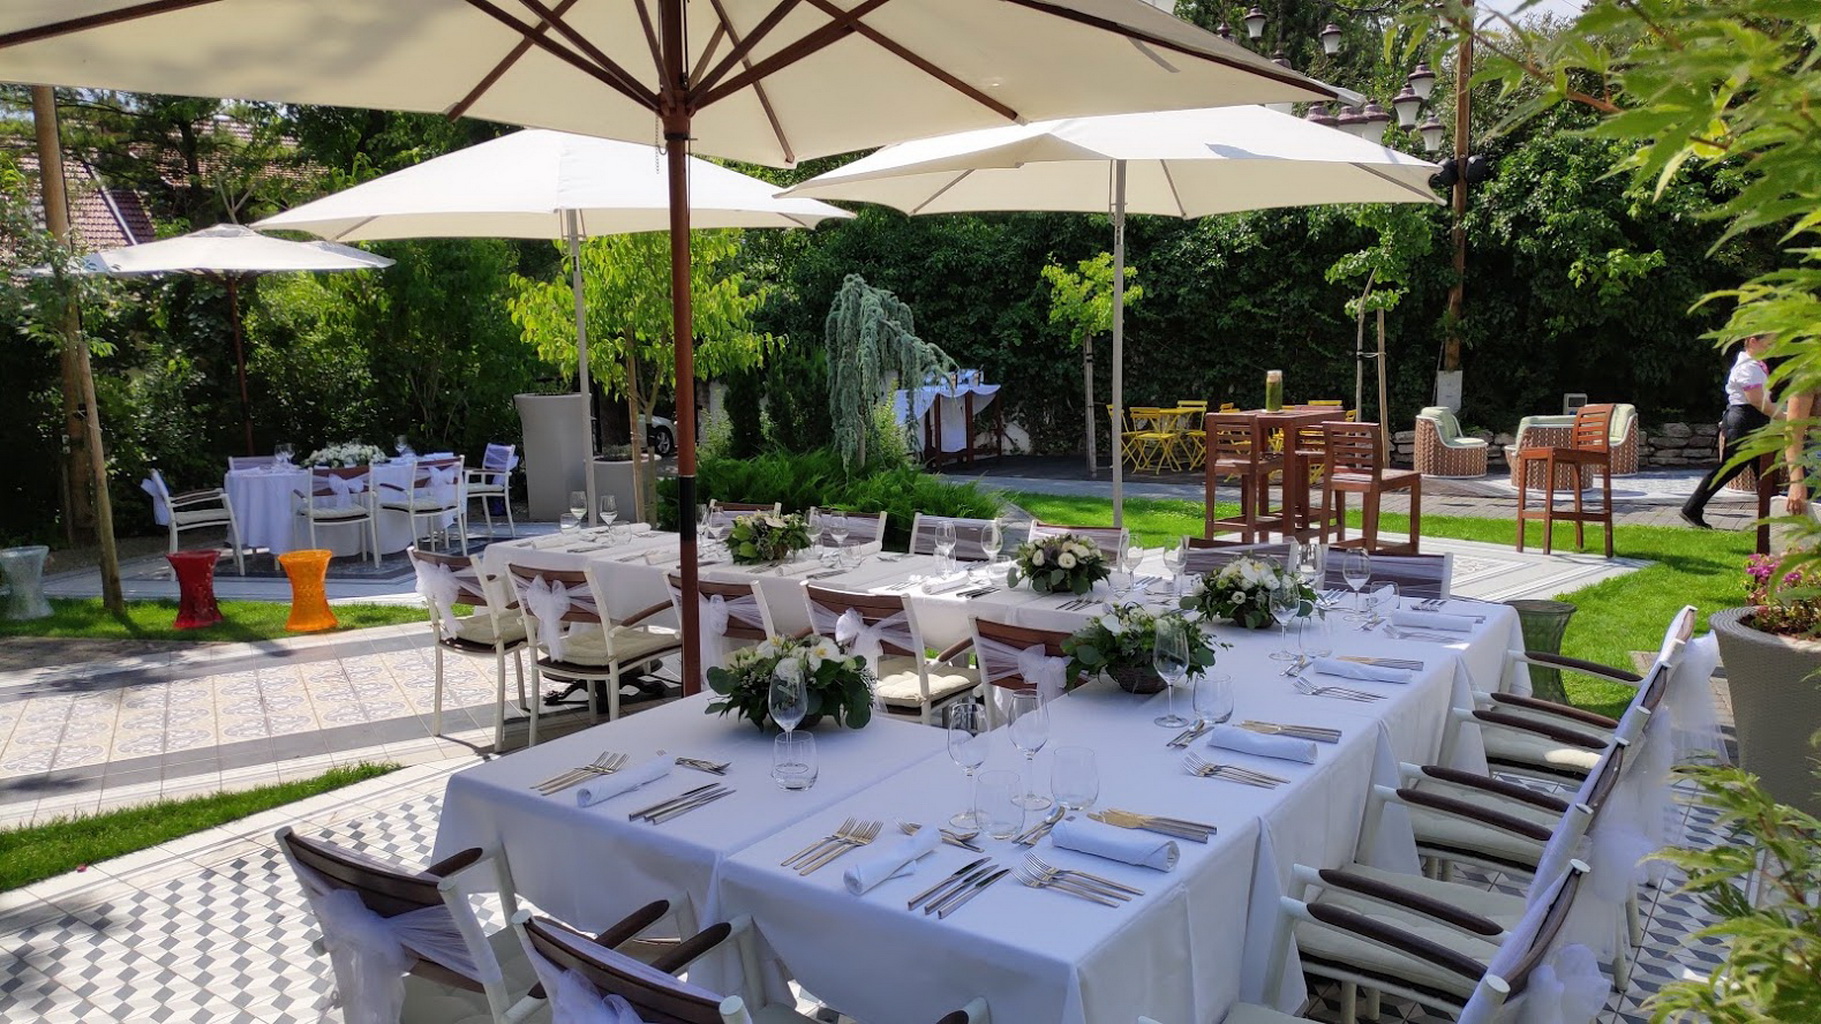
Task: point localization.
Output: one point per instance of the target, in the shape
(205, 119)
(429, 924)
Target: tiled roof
(101, 217)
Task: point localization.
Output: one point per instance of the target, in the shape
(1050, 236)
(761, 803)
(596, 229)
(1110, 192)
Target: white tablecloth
(952, 426)
(265, 504)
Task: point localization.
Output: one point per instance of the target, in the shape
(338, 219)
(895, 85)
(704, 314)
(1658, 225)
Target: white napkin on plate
(1417, 619)
(1133, 846)
(862, 875)
(944, 586)
(623, 781)
(1361, 670)
(1288, 748)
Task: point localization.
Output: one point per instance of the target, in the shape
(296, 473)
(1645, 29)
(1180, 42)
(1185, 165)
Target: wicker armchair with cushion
(1625, 442)
(1441, 448)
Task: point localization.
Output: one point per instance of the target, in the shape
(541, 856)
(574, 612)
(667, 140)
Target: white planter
(557, 451)
(615, 478)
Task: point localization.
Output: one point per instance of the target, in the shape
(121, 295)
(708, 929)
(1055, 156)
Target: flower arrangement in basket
(348, 453)
(767, 537)
(1243, 591)
(1784, 603)
(1066, 562)
(1121, 642)
(839, 685)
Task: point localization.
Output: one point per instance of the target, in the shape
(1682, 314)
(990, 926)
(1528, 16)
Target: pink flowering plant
(1784, 602)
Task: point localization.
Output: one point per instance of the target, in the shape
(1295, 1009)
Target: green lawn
(36, 852)
(1705, 568)
(151, 620)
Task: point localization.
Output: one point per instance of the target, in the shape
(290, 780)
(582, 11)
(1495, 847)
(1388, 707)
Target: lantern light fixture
(1422, 81)
(1330, 39)
(1255, 22)
(1407, 104)
(1432, 131)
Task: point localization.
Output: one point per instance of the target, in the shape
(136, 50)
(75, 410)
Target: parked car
(660, 435)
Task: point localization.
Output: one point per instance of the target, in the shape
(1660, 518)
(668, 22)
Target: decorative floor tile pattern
(213, 928)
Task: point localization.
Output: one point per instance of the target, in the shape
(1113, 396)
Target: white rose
(1110, 623)
(1065, 560)
(766, 649)
(1037, 557)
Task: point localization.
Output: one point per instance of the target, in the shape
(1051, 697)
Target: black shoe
(1694, 519)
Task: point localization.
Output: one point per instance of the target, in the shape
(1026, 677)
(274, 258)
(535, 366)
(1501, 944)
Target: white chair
(1201, 555)
(434, 496)
(575, 640)
(744, 618)
(865, 530)
(1011, 658)
(969, 536)
(1110, 538)
(1418, 576)
(195, 510)
(251, 461)
(494, 481)
(883, 629)
(446, 581)
(341, 496)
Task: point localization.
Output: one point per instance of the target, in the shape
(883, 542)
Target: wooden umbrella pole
(676, 116)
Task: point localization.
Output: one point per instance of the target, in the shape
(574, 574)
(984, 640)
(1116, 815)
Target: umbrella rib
(939, 193)
(840, 28)
(758, 91)
(1406, 186)
(743, 47)
(651, 37)
(580, 41)
(106, 18)
(518, 50)
(911, 58)
(1170, 179)
(611, 79)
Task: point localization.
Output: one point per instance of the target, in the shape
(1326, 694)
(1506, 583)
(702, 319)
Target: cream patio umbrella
(230, 253)
(1180, 163)
(547, 184)
(770, 81)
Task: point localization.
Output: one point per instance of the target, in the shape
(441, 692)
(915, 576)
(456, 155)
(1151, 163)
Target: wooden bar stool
(1589, 448)
(1354, 463)
(1237, 447)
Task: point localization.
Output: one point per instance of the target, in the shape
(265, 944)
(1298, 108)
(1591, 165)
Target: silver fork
(964, 840)
(1306, 687)
(606, 764)
(864, 833)
(1230, 772)
(1037, 864)
(711, 767)
(1037, 880)
(819, 845)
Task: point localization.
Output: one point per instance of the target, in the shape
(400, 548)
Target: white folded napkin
(944, 586)
(1418, 619)
(799, 568)
(1288, 748)
(1133, 846)
(1361, 670)
(662, 556)
(623, 781)
(863, 875)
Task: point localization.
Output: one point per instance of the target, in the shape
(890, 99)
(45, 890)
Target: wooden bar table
(1290, 421)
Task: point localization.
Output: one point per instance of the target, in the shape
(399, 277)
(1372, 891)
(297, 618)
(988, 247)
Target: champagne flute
(967, 747)
(788, 699)
(1170, 657)
(1030, 730)
(578, 507)
(1356, 569)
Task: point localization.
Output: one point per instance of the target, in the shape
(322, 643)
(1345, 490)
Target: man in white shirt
(1748, 407)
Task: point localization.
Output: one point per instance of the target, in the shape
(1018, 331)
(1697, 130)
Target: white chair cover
(852, 632)
(443, 483)
(1571, 992)
(1690, 703)
(573, 1000)
(370, 953)
(1034, 664)
(500, 456)
(161, 500)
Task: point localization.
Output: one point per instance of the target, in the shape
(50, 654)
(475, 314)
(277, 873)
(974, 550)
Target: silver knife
(1189, 735)
(954, 902)
(663, 805)
(703, 800)
(961, 875)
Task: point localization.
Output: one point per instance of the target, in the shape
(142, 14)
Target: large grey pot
(1776, 703)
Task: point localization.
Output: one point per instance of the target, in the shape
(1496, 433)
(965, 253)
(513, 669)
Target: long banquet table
(1194, 944)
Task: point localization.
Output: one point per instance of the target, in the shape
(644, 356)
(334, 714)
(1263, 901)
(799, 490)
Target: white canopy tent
(1182, 163)
(771, 81)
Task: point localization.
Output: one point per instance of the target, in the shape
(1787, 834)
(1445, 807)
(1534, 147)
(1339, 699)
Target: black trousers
(1739, 421)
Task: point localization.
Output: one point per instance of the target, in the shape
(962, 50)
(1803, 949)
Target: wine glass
(1383, 600)
(945, 545)
(608, 509)
(1286, 604)
(788, 699)
(967, 747)
(402, 446)
(578, 507)
(1030, 730)
(1356, 569)
(838, 528)
(1170, 657)
(992, 540)
(283, 453)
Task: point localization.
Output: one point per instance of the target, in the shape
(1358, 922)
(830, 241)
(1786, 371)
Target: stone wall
(1666, 446)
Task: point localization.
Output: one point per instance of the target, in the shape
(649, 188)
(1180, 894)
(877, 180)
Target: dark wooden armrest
(1535, 453)
(1346, 880)
(391, 487)
(645, 613)
(1561, 734)
(1395, 937)
(692, 947)
(1474, 812)
(1550, 707)
(954, 649)
(455, 862)
(1500, 787)
(1592, 668)
(634, 923)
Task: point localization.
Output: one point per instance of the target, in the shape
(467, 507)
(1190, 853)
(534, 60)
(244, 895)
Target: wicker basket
(1137, 679)
(1776, 702)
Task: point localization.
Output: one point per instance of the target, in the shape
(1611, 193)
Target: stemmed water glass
(1030, 730)
(967, 747)
(838, 529)
(1286, 605)
(607, 509)
(1121, 577)
(578, 508)
(1382, 600)
(1356, 569)
(1170, 657)
(284, 453)
(402, 446)
(945, 546)
(716, 528)
(788, 699)
(992, 539)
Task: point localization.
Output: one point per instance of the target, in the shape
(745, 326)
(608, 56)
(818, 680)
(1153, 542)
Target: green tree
(872, 342)
(1081, 302)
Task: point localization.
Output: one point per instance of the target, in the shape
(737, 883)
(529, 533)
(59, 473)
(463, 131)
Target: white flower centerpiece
(1065, 563)
(767, 537)
(840, 686)
(1121, 643)
(348, 453)
(1243, 590)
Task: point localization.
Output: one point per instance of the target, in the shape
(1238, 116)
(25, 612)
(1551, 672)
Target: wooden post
(78, 513)
(82, 420)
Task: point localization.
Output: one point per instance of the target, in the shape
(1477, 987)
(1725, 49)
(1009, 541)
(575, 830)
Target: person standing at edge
(1748, 407)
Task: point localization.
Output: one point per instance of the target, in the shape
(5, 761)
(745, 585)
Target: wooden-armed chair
(1237, 447)
(341, 496)
(493, 482)
(970, 536)
(865, 530)
(883, 629)
(725, 512)
(495, 626)
(1354, 463)
(251, 461)
(433, 496)
(196, 510)
(1008, 657)
(1589, 449)
(1418, 576)
(1203, 555)
(575, 640)
(744, 617)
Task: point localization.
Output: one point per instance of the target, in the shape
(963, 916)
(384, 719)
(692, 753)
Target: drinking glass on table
(788, 699)
(967, 747)
(283, 453)
(607, 509)
(945, 546)
(1002, 817)
(402, 446)
(1120, 577)
(1030, 730)
(1383, 601)
(992, 540)
(793, 760)
(1356, 569)
(1312, 566)
(838, 528)
(1074, 777)
(1213, 698)
(1170, 658)
(578, 507)
(1286, 605)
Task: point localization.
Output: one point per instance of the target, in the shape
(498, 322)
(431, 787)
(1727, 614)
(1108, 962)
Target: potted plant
(839, 685)
(1119, 644)
(1064, 563)
(1772, 654)
(767, 537)
(1243, 591)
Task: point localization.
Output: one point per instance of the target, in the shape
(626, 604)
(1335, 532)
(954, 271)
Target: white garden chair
(196, 510)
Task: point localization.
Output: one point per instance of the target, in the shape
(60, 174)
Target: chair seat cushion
(1463, 442)
(1501, 908)
(479, 629)
(898, 685)
(333, 512)
(1252, 1013)
(586, 649)
(1320, 942)
(1440, 832)
(1515, 748)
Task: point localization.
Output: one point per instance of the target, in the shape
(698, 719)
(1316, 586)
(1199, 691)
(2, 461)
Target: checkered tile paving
(214, 929)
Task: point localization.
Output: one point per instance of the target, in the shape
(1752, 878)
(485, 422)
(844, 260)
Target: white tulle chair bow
(1690, 702)
(573, 1000)
(344, 488)
(439, 585)
(854, 634)
(548, 601)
